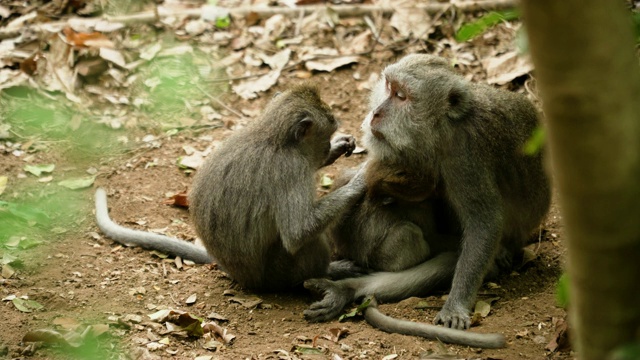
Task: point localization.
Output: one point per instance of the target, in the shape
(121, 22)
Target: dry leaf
(337, 334)
(113, 56)
(180, 199)
(66, 323)
(248, 89)
(410, 21)
(331, 64)
(483, 308)
(506, 67)
(94, 39)
(216, 329)
(560, 339)
(191, 299)
(249, 303)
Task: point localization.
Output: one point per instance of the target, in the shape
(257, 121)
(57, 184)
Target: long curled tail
(452, 336)
(147, 240)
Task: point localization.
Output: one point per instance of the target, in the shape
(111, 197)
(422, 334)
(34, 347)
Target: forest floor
(139, 131)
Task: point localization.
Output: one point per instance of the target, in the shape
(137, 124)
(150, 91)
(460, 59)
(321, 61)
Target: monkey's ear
(302, 128)
(459, 101)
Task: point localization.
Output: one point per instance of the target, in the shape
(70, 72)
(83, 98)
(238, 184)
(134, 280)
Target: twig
(213, 98)
(262, 12)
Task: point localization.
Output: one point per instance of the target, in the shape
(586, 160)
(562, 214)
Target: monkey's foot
(456, 318)
(335, 297)
(342, 269)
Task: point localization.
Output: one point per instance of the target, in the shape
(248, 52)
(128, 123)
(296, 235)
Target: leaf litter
(101, 56)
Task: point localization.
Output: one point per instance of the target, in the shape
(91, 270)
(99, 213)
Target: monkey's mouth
(377, 134)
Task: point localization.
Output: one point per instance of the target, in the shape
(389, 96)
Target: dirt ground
(81, 275)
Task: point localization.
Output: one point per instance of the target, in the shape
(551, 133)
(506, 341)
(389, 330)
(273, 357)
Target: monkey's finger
(317, 286)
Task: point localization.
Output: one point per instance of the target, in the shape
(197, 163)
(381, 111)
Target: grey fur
(489, 196)
(144, 239)
(253, 202)
(451, 336)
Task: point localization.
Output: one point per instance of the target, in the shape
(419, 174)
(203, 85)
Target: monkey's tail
(452, 336)
(147, 240)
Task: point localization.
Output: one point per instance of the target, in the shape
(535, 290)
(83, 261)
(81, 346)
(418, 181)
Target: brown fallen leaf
(94, 39)
(219, 331)
(560, 339)
(336, 334)
(249, 303)
(180, 199)
(66, 323)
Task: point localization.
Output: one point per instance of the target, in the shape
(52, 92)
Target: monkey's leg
(385, 286)
(342, 269)
(284, 270)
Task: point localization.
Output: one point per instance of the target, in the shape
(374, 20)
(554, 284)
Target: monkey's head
(414, 105)
(298, 119)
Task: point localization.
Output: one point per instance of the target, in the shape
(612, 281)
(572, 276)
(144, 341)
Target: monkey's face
(413, 105)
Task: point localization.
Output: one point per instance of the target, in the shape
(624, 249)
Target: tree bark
(589, 80)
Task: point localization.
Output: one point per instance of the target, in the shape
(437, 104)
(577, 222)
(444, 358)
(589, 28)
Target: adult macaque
(489, 196)
(253, 202)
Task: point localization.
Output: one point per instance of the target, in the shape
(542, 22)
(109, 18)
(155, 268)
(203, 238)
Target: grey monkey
(253, 201)
(489, 196)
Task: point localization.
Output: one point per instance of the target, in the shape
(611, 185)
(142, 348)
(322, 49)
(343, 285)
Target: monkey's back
(507, 121)
(233, 199)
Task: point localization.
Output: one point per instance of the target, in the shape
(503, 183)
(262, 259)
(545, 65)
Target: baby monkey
(254, 202)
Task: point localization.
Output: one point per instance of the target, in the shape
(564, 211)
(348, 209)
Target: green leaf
(26, 305)
(636, 22)
(628, 351)
(78, 183)
(365, 304)
(535, 142)
(223, 22)
(562, 291)
(478, 27)
(194, 329)
(37, 170)
(326, 181)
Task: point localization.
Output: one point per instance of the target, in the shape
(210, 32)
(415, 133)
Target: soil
(84, 276)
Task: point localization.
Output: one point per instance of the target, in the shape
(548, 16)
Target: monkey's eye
(400, 95)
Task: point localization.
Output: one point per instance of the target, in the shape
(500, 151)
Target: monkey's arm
(145, 239)
(296, 227)
(342, 144)
(476, 200)
(385, 286)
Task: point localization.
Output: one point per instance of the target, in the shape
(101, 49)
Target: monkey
(468, 137)
(398, 205)
(253, 200)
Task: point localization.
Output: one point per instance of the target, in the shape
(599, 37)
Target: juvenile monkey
(253, 201)
(396, 213)
(491, 196)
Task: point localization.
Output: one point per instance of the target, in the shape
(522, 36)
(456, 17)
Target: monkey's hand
(343, 269)
(341, 144)
(335, 297)
(455, 317)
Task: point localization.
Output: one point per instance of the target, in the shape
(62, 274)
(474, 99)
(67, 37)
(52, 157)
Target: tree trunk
(589, 80)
